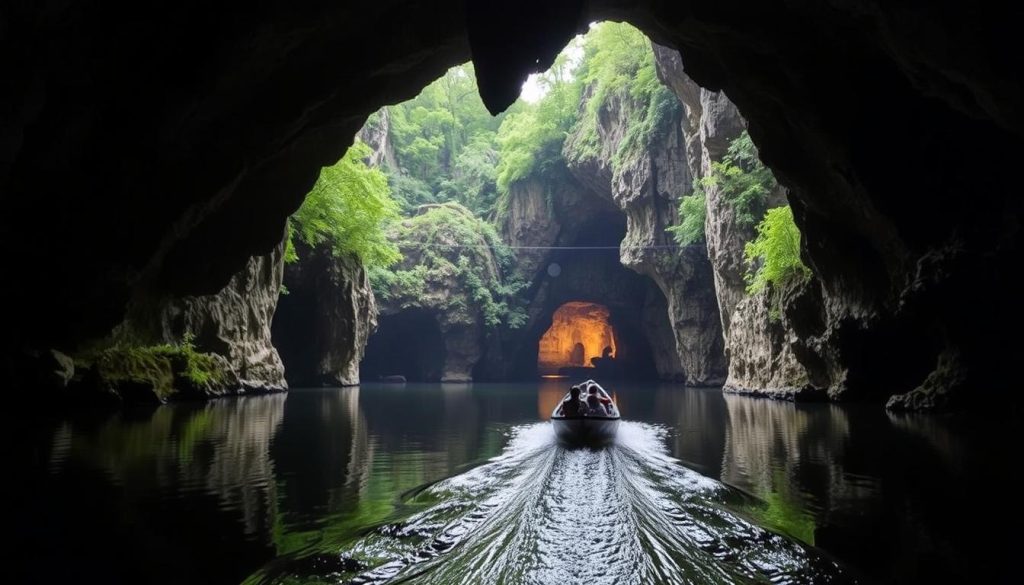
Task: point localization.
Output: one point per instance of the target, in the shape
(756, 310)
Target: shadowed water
(462, 484)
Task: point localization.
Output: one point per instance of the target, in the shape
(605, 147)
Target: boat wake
(541, 513)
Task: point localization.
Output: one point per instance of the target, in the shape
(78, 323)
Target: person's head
(574, 391)
(592, 389)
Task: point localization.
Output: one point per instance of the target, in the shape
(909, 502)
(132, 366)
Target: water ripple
(540, 513)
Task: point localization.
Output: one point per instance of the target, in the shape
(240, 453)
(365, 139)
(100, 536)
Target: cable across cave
(460, 246)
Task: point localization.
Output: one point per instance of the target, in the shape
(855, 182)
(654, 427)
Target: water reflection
(220, 449)
(128, 496)
(787, 455)
(214, 492)
(540, 513)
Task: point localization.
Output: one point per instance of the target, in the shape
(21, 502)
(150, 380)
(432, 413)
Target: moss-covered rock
(150, 374)
(453, 265)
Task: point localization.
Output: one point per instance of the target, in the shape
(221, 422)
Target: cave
(580, 333)
(583, 294)
(876, 195)
(408, 344)
(136, 168)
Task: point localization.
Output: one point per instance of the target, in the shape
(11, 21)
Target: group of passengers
(595, 401)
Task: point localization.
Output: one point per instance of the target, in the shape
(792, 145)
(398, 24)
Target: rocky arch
(145, 154)
(634, 305)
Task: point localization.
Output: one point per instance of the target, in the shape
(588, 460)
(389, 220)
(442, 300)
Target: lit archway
(579, 333)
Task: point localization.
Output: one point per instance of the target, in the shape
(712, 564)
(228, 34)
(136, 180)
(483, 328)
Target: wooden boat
(586, 429)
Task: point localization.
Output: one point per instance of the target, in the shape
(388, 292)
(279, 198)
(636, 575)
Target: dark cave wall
(234, 324)
(144, 153)
(408, 343)
(324, 321)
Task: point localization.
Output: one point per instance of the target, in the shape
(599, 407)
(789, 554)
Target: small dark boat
(588, 427)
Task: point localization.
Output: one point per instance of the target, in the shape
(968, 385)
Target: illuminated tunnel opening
(580, 336)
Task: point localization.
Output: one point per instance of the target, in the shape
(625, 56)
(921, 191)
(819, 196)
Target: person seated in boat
(571, 406)
(598, 402)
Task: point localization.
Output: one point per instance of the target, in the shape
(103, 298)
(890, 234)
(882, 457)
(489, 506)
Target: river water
(455, 483)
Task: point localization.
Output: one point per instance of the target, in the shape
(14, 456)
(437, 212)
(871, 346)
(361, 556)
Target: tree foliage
(531, 137)
(445, 144)
(773, 257)
(348, 209)
(443, 245)
(618, 64)
(692, 214)
(743, 180)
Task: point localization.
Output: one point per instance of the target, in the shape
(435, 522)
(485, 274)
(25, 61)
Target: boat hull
(585, 430)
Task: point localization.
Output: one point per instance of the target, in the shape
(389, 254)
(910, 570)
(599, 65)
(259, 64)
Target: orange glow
(579, 332)
(549, 395)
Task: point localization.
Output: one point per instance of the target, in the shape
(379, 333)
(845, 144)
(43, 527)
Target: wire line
(653, 247)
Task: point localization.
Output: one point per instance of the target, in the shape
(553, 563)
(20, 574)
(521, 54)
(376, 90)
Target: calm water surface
(465, 484)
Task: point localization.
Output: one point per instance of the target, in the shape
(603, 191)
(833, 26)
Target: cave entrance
(409, 344)
(580, 336)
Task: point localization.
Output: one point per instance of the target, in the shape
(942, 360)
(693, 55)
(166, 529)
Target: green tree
(743, 180)
(531, 137)
(348, 209)
(443, 140)
(446, 243)
(692, 214)
(618, 64)
(473, 176)
(774, 256)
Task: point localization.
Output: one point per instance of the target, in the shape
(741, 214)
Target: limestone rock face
(447, 294)
(758, 334)
(233, 323)
(564, 211)
(807, 340)
(376, 134)
(710, 123)
(323, 323)
(762, 360)
(646, 185)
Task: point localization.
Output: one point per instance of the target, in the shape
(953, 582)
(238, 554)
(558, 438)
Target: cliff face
(325, 319)
(759, 337)
(566, 211)
(233, 323)
(646, 185)
(376, 134)
(439, 278)
(710, 123)
(807, 340)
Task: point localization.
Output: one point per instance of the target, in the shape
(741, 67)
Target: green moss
(162, 366)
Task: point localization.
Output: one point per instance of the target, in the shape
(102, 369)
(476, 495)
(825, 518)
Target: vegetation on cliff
(445, 145)
(531, 137)
(692, 215)
(453, 261)
(348, 209)
(773, 257)
(742, 179)
(615, 63)
(164, 369)
(618, 64)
